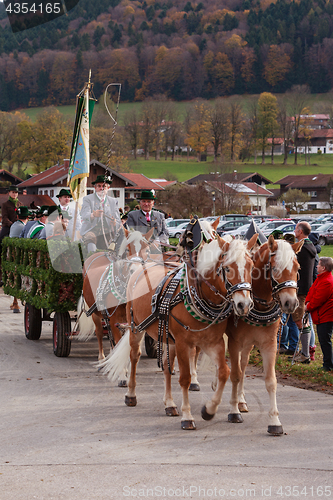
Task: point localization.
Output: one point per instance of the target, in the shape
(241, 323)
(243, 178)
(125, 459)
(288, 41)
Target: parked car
(325, 234)
(271, 225)
(211, 218)
(227, 226)
(284, 228)
(240, 232)
(235, 217)
(176, 222)
(175, 232)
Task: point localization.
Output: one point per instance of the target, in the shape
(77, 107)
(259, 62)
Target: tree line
(223, 128)
(179, 48)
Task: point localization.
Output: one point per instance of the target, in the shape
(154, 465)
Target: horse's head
(135, 245)
(276, 268)
(228, 266)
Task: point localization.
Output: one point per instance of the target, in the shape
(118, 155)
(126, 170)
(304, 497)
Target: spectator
(65, 205)
(314, 237)
(9, 216)
(17, 226)
(42, 216)
(319, 302)
(306, 259)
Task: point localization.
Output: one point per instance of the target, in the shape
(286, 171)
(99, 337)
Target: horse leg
(169, 404)
(135, 344)
(235, 376)
(187, 422)
(218, 356)
(99, 334)
(194, 386)
(245, 355)
(268, 357)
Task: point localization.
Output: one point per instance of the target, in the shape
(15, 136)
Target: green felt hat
(102, 179)
(23, 212)
(64, 192)
(44, 210)
(147, 195)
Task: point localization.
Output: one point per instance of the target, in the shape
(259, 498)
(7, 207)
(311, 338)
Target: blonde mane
(208, 256)
(236, 253)
(136, 238)
(285, 255)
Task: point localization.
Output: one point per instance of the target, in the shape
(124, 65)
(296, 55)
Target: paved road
(66, 433)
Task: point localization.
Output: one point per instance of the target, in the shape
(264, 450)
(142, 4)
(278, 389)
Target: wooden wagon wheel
(32, 322)
(61, 329)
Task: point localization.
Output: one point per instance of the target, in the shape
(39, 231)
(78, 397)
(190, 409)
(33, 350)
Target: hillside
(179, 48)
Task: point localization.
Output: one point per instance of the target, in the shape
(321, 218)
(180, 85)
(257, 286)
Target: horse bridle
(231, 289)
(276, 286)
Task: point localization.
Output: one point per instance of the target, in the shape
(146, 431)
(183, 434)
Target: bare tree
(236, 119)
(298, 98)
(219, 124)
(132, 130)
(188, 118)
(146, 127)
(254, 122)
(285, 124)
(159, 108)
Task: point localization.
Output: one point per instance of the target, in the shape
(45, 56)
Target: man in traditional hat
(9, 216)
(42, 215)
(99, 215)
(17, 226)
(64, 196)
(145, 218)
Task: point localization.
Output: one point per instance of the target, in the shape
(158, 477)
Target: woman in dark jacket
(319, 302)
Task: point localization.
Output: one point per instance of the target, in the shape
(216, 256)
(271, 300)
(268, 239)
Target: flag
(79, 159)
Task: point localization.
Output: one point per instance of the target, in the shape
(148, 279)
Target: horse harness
(267, 317)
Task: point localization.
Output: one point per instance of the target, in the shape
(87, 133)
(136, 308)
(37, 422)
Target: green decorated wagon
(47, 278)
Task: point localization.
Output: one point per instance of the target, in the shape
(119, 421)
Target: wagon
(44, 285)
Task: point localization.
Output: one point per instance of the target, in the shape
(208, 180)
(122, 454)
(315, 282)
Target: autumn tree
(277, 65)
(267, 122)
(9, 137)
(199, 135)
(219, 124)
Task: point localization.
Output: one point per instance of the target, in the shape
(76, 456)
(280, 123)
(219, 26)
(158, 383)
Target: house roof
(140, 182)
(58, 173)
(4, 175)
(247, 188)
(305, 181)
(27, 199)
(163, 182)
(229, 177)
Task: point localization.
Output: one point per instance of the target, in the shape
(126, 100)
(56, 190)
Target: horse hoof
(171, 411)
(205, 415)
(188, 425)
(130, 400)
(194, 387)
(243, 407)
(235, 418)
(122, 383)
(275, 430)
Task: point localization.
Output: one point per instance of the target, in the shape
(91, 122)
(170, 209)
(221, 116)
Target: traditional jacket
(306, 259)
(137, 220)
(16, 229)
(92, 202)
(320, 299)
(8, 212)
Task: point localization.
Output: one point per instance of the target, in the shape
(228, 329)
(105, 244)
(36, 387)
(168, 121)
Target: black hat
(13, 188)
(23, 212)
(102, 179)
(64, 192)
(147, 195)
(43, 210)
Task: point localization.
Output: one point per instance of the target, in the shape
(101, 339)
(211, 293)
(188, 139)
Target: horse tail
(85, 324)
(116, 363)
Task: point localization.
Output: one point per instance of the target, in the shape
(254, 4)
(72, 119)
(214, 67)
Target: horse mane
(236, 253)
(284, 256)
(208, 256)
(208, 230)
(134, 237)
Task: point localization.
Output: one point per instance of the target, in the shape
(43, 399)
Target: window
(46, 192)
(116, 193)
(313, 194)
(51, 193)
(40, 192)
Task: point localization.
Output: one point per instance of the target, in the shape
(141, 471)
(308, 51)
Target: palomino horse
(105, 280)
(274, 283)
(187, 307)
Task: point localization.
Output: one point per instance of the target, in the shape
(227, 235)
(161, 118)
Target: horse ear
(272, 243)
(149, 234)
(252, 241)
(297, 246)
(215, 223)
(222, 243)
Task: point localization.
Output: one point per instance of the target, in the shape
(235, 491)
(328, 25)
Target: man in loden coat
(9, 216)
(145, 218)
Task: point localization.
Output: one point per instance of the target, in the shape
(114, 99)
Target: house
(315, 186)
(27, 199)
(318, 121)
(230, 177)
(54, 178)
(6, 176)
(253, 194)
(139, 182)
(318, 141)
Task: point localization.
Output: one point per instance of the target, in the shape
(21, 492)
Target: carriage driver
(99, 215)
(145, 218)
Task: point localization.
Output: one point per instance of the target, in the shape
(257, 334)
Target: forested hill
(179, 48)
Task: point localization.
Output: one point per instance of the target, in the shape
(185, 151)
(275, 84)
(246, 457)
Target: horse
(274, 284)
(213, 280)
(107, 299)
